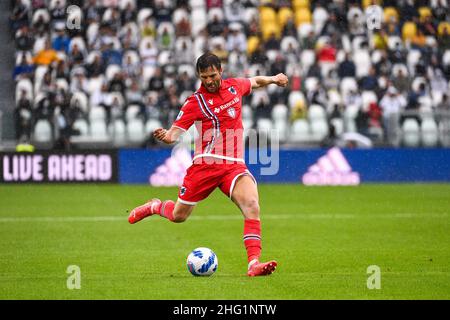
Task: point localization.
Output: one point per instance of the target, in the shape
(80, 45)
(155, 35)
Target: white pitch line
(232, 217)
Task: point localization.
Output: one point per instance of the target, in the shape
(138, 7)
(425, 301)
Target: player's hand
(281, 80)
(160, 134)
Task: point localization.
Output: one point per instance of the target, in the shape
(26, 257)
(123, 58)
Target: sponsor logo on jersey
(227, 105)
(232, 90)
(232, 112)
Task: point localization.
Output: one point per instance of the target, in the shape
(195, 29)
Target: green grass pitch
(324, 239)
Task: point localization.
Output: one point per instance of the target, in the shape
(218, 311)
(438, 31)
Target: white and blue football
(202, 262)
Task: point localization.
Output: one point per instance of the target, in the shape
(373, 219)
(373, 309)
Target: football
(202, 262)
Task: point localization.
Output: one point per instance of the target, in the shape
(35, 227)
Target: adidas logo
(331, 169)
(172, 171)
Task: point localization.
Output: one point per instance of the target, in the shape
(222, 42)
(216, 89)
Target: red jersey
(218, 120)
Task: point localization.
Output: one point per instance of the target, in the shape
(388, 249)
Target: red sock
(252, 238)
(165, 210)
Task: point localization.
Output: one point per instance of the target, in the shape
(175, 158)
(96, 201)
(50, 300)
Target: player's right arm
(168, 136)
(186, 117)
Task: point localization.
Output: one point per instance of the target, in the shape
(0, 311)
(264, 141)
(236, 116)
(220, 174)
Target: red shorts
(202, 179)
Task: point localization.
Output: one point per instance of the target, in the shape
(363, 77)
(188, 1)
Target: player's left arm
(280, 80)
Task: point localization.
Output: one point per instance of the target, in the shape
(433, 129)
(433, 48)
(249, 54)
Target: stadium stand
(109, 71)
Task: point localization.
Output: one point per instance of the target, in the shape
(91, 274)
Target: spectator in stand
(401, 82)
(234, 11)
(290, 29)
(19, 16)
(273, 42)
(61, 42)
(392, 104)
(79, 81)
(23, 116)
(58, 12)
(236, 39)
(216, 27)
(133, 95)
(156, 82)
(347, 67)
(117, 83)
(183, 28)
(46, 56)
(24, 39)
(25, 69)
(110, 54)
(162, 12)
(96, 67)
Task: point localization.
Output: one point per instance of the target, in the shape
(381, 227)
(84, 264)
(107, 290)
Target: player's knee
(251, 208)
(180, 217)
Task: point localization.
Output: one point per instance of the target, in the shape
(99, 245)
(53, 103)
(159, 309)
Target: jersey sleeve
(187, 115)
(244, 85)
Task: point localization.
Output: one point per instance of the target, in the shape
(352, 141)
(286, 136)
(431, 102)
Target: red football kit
(219, 155)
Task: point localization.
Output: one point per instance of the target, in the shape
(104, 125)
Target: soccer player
(215, 109)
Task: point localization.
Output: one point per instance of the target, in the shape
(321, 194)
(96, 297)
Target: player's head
(209, 71)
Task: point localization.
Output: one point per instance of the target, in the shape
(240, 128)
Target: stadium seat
(27, 86)
(42, 131)
(300, 4)
(270, 28)
(81, 99)
(390, 14)
(280, 113)
(284, 14)
(247, 112)
(409, 30)
(443, 25)
(294, 97)
(338, 124)
(99, 131)
(135, 131)
(132, 112)
(424, 12)
(82, 126)
(411, 132)
(267, 15)
(307, 57)
(444, 132)
(319, 18)
(250, 14)
(347, 84)
(429, 132)
(361, 58)
(302, 16)
(299, 131)
(316, 112)
(319, 129)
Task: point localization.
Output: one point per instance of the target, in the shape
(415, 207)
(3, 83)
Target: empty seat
(429, 132)
(42, 131)
(319, 129)
(299, 131)
(135, 131)
(411, 132)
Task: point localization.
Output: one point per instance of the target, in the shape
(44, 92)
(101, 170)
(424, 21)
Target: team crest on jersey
(231, 112)
(232, 90)
(210, 101)
(180, 114)
(182, 190)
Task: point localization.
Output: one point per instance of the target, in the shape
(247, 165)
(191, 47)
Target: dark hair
(207, 60)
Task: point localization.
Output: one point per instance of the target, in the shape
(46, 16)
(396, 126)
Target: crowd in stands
(97, 67)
